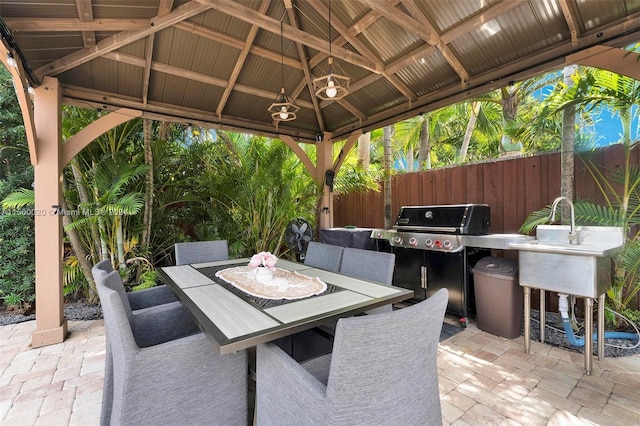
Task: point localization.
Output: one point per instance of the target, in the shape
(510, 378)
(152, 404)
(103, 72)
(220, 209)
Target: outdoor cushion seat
(382, 371)
(151, 325)
(175, 381)
(323, 256)
(201, 251)
(140, 299)
(358, 263)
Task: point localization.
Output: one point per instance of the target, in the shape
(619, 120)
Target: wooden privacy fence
(513, 188)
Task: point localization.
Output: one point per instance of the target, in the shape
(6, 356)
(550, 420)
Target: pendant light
(331, 86)
(282, 109)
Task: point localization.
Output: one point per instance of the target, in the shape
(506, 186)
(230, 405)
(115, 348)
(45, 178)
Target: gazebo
(303, 71)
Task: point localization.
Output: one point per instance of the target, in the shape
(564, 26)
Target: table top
(234, 320)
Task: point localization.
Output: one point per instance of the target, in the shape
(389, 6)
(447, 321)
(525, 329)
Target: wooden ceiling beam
(420, 27)
(308, 80)
(121, 39)
(362, 48)
(76, 24)
(240, 61)
(164, 8)
(85, 14)
(84, 98)
(219, 37)
(267, 23)
(480, 19)
(192, 75)
(571, 21)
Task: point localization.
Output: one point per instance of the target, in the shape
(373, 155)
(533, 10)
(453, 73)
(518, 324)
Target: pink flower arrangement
(264, 258)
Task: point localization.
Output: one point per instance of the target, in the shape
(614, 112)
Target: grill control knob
(447, 244)
(413, 241)
(397, 240)
(437, 244)
(428, 242)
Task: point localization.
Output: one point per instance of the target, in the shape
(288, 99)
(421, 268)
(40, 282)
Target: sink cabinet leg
(601, 326)
(527, 319)
(543, 315)
(588, 334)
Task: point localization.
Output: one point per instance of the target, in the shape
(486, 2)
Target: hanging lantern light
(332, 85)
(282, 109)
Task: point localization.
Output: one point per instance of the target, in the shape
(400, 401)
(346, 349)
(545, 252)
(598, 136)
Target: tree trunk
(120, 243)
(83, 193)
(148, 186)
(568, 142)
(424, 155)
(475, 110)
(81, 253)
(386, 139)
(509, 112)
(364, 150)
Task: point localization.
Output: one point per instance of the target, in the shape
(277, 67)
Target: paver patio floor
(484, 380)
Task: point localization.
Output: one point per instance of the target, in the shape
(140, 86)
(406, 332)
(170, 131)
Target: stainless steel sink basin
(552, 263)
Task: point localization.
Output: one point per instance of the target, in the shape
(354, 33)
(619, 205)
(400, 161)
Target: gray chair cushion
(152, 325)
(383, 371)
(323, 256)
(369, 265)
(201, 251)
(180, 381)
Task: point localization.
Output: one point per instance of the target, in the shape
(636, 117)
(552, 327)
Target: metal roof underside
(221, 63)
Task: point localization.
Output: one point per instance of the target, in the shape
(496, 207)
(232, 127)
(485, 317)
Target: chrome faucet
(574, 235)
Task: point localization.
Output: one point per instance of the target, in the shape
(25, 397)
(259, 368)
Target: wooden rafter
(192, 75)
(363, 49)
(236, 43)
(85, 22)
(164, 8)
(272, 25)
(421, 28)
(26, 106)
(308, 80)
(571, 22)
(116, 41)
(85, 14)
(240, 61)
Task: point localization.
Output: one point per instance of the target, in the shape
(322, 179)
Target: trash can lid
(497, 266)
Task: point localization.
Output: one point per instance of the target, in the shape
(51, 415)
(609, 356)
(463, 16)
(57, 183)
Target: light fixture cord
(329, 27)
(282, 55)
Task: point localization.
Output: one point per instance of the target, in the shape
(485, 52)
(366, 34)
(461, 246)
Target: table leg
(588, 334)
(527, 319)
(543, 315)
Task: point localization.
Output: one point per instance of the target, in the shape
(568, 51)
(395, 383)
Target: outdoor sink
(551, 262)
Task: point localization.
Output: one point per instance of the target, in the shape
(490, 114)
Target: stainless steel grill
(431, 252)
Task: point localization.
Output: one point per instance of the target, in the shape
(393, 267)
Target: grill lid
(466, 219)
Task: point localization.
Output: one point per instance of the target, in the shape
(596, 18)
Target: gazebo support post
(51, 326)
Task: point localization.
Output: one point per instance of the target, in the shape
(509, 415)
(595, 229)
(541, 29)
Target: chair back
(324, 256)
(368, 265)
(385, 366)
(201, 251)
(104, 267)
(111, 281)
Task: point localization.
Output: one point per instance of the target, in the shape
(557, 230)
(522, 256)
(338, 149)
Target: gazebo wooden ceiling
(217, 63)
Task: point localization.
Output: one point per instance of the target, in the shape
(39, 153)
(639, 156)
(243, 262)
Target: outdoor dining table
(235, 320)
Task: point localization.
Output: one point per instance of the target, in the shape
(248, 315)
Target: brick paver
(484, 379)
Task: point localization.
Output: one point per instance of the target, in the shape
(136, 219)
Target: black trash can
(499, 297)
